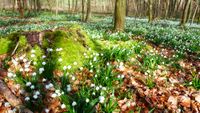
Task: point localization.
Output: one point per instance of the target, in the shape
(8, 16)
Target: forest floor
(58, 64)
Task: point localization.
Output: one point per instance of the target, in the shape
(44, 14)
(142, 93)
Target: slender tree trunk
(56, 7)
(69, 5)
(76, 6)
(150, 11)
(195, 12)
(83, 10)
(120, 12)
(190, 11)
(127, 7)
(20, 8)
(88, 14)
(185, 13)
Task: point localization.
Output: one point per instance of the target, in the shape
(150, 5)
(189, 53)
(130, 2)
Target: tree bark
(120, 12)
(185, 13)
(20, 8)
(150, 11)
(88, 14)
(83, 10)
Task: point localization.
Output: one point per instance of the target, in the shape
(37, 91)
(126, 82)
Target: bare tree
(120, 12)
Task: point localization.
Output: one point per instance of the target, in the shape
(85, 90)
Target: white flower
(21, 58)
(43, 56)
(34, 74)
(69, 88)
(7, 104)
(32, 87)
(21, 69)
(81, 68)
(26, 69)
(34, 63)
(65, 67)
(28, 84)
(27, 99)
(97, 88)
(92, 85)
(74, 103)
(69, 67)
(60, 59)
(73, 78)
(46, 110)
(25, 60)
(41, 70)
(10, 74)
(63, 106)
(32, 55)
(37, 93)
(101, 99)
(54, 95)
(75, 63)
(32, 51)
(44, 80)
(87, 100)
(43, 63)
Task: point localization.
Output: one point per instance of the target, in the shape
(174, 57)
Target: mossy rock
(74, 43)
(6, 45)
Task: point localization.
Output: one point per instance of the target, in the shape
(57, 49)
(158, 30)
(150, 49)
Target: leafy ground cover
(84, 67)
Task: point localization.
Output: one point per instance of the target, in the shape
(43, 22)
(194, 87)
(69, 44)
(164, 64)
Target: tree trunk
(194, 14)
(20, 8)
(56, 7)
(185, 13)
(83, 10)
(120, 12)
(150, 11)
(88, 14)
(76, 6)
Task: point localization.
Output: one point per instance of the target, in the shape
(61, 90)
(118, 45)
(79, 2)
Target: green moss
(6, 45)
(22, 41)
(38, 54)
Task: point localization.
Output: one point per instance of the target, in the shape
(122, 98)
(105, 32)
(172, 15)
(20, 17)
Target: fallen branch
(12, 99)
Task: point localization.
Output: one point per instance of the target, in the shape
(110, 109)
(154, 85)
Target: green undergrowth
(74, 44)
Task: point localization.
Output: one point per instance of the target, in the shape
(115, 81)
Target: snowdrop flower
(74, 103)
(41, 70)
(28, 84)
(34, 63)
(37, 93)
(21, 58)
(65, 67)
(69, 67)
(75, 63)
(26, 69)
(25, 60)
(87, 100)
(43, 56)
(63, 106)
(101, 99)
(44, 80)
(32, 87)
(104, 88)
(97, 88)
(43, 63)
(50, 49)
(35, 96)
(95, 59)
(54, 95)
(14, 62)
(10, 74)
(60, 59)
(27, 99)
(46, 110)
(32, 55)
(81, 68)
(32, 51)
(93, 93)
(92, 85)
(7, 104)
(34, 74)
(59, 49)
(73, 78)
(21, 69)
(69, 88)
